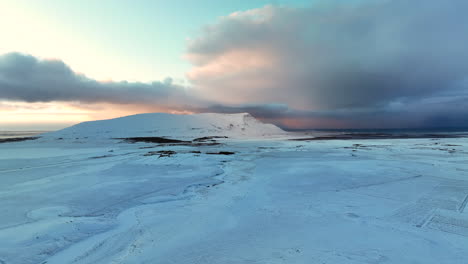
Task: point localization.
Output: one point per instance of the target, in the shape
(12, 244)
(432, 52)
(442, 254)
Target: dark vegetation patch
(214, 184)
(160, 140)
(189, 144)
(449, 150)
(161, 153)
(148, 147)
(354, 147)
(169, 153)
(221, 153)
(432, 146)
(438, 146)
(168, 142)
(204, 139)
(18, 139)
(103, 156)
(198, 142)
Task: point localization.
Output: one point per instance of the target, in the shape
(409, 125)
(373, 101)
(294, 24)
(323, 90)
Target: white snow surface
(273, 201)
(171, 125)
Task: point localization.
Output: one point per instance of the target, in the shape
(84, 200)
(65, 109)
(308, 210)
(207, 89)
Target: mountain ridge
(170, 125)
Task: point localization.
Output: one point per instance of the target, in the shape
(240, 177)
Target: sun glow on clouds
(51, 115)
(56, 115)
(231, 63)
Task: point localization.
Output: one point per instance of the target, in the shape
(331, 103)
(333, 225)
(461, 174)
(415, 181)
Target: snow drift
(171, 126)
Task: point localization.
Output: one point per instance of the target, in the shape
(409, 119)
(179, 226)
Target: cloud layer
(27, 78)
(386, 63)
(352, 61)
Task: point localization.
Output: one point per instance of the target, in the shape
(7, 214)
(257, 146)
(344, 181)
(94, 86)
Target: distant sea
(31, 133)
(16, 134)
(391, 131)
(386, 133)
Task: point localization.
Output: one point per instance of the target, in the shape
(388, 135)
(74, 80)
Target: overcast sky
(299, 64)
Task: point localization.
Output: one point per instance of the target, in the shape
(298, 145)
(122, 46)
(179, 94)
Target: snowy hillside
(265, 200)
(171, 125)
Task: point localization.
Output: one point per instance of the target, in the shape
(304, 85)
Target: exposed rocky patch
(18, 139)
(205, 139)
(160, 140)
(221, 153)
(161, 153)
(198, 142)
(102, 157)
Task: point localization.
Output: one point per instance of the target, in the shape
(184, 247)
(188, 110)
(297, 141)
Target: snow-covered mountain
(170, 125)
(260, 200)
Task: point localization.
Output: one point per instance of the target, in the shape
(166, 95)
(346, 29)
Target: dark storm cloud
(260, 110)
(367, 63)
(26, 78)
(363, 60)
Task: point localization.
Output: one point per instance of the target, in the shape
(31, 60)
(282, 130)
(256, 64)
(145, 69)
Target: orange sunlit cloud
(62, 114)
(231, 63)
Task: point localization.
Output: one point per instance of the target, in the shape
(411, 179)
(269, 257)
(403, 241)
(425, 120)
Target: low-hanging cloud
(403, 61)
(27, 78)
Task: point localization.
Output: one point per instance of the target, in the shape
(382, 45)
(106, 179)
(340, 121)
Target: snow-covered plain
(79, 196)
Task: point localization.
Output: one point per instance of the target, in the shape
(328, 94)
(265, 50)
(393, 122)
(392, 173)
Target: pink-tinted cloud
(358, 62)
